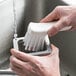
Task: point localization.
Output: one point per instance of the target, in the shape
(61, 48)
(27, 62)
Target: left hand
(27, 65)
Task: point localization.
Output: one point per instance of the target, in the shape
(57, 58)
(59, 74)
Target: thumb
(58, 26)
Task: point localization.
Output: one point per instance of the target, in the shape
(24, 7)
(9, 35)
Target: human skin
(65, 16)
(27, 65)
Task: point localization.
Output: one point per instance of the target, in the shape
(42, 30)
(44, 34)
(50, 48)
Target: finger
(51, 17)
(16, 70)
(20, 72)
(16, 62)
(23, 56)
(58, 26)
(28, 69)
(52, 31)
(20, 64)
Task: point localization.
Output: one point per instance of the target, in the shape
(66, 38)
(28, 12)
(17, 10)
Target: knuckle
(12, 60)
(58, 10)
(19, 55)
(23, 65)
(39, 65)
(65, 22)
(58, 7)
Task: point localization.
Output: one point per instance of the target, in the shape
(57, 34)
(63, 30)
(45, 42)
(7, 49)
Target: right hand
(66, 16)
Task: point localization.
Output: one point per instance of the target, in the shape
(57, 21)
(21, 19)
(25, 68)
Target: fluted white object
(36, 33)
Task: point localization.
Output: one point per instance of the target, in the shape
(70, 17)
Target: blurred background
(33, 11)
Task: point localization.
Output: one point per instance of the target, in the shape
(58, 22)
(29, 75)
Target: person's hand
(27, 65)
(66, 16)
